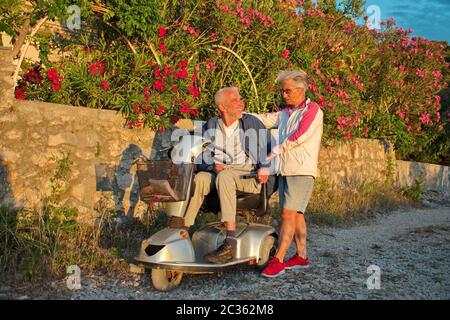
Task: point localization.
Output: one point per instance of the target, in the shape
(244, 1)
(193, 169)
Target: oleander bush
(157, 62)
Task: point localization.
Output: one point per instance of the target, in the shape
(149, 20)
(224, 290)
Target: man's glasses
(288, 91)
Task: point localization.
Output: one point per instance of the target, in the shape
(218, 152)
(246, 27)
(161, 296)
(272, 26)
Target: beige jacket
(299, 137)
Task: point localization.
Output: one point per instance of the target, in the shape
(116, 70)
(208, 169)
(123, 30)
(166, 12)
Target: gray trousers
(227, 182)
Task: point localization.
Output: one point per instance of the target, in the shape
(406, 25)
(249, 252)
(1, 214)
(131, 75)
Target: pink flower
(184, 108)
(210, 65)
(157, 73)
(136, 107)
(194, 91)
(213, 36)
(191, 30)
(158, 85)
(19, 93)
(52, 75)
(162, 32)
(438, 99)
(160, 110)
(425, 119)
(312, 87)
(225, 9)
(348, 136)
(181, 74)
(183, 64)
(392, 21)
(175, 119)
(420, 73)
(285, 54)
(437, 74)
(194, 112)
(162, 48)
(343, 121)
(56, 86)
(97, 67)
(105, 85)
(400, 114)
(321, 101)
(33, 76)
(343, 95)
(168, 71)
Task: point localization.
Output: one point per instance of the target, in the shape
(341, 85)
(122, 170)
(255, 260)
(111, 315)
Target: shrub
(375, 84)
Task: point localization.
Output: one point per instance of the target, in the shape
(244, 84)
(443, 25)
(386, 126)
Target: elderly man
(229, 132)
(300, 127)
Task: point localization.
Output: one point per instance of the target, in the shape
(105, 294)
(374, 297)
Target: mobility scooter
(171, 252)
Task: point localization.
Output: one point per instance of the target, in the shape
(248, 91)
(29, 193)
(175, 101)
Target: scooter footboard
(249, 239)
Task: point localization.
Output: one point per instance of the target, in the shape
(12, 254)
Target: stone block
(84, 155)
(62, 138)
(13, 134)
(8, 156)
(8, 117)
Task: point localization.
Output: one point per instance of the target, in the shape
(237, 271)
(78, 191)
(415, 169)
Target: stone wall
(356, 162)
(434, 177)
(34, 135)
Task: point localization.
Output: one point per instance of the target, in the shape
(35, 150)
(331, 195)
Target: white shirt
(231, 143)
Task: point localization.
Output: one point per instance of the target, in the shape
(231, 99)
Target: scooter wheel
(165, 280)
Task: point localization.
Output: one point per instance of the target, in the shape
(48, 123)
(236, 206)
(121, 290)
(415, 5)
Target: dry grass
(331, 205)
(44, 241)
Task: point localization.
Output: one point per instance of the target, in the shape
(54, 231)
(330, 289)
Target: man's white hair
(218, 97)
(299, 76)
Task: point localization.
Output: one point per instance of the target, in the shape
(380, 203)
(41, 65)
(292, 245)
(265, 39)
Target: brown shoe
(223, 254)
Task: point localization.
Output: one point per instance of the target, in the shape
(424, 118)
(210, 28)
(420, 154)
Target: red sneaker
(296, 262)
(274, 268)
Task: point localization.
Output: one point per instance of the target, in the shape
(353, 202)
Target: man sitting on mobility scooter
(248, 140)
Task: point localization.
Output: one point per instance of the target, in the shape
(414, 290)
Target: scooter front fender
(167, 246)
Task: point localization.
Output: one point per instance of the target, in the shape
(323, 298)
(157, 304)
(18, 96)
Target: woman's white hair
(299, 76)
(218, 97)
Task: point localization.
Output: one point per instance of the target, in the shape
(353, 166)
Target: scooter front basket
(163, 180)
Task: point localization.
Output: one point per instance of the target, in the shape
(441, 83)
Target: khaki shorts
(295, 192)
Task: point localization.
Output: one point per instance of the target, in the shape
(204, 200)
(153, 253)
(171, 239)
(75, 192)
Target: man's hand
(270, 156)
(218, 167)
(275, 152)
(262, 175)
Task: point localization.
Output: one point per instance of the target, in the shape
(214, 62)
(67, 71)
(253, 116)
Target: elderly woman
(300, 126)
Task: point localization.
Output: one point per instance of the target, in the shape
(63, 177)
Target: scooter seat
(245, 201)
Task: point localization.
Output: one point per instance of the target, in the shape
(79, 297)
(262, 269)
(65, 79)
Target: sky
(427, 18)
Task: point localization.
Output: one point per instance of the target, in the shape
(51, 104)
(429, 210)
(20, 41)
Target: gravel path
(411, 248)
